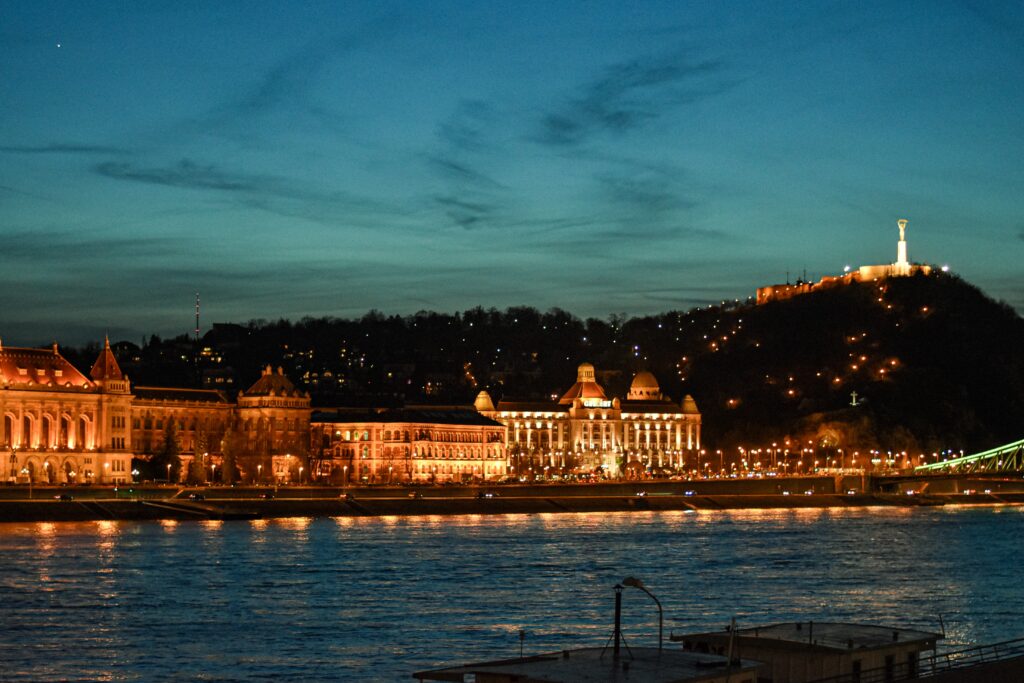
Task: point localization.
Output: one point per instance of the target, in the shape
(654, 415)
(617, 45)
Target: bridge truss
(1008, 458)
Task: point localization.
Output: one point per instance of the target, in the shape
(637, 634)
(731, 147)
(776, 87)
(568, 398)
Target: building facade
(62, 427)
(408, 445)
(586, 431)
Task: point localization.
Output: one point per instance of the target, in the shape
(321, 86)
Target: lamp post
(637, 583)
(24, 470)
(259, 474)
(300, 475)
(168, 473)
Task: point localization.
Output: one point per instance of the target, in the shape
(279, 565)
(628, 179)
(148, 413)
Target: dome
(585, 373)
(644, 388)
(690, 406)
(586, 386)
(483, 402)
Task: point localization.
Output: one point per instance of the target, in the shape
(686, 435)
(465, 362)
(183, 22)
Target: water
(376, 599)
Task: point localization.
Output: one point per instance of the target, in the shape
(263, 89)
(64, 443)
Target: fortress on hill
(901, 268)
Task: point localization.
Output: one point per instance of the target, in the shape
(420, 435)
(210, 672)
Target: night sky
(291, 159)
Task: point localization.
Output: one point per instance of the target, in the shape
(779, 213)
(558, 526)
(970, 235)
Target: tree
(231, 448)
(166, 461)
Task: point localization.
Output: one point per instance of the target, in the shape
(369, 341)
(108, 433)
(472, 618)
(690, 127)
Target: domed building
(60, 426)
(585, 429)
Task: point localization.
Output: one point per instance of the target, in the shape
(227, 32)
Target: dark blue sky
(291, 159)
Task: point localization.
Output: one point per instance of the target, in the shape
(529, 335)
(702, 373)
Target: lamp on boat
(637, 583)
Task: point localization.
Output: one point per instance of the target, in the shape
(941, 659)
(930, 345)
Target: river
(365, 599)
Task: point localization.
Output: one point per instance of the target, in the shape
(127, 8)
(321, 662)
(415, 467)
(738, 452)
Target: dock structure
(600, 664)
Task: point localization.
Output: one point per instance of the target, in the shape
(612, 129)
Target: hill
(934, 363)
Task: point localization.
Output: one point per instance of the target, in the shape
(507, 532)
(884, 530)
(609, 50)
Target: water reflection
(364, 599)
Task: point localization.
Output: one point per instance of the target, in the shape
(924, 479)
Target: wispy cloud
(36, 246)
(186, 174)
(62, 148)
(629, 94)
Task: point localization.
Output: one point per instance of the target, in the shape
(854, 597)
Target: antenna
(197, 317)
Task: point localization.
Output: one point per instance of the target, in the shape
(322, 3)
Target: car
(851, 492)
(346, 496)
(689, 492)
(269, 495)
(415, 494)
(809, 492)
(64, 496)
(196, 496)
(641, 494)
(485, 494)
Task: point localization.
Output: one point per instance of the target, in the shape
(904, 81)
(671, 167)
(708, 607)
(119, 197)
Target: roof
(648, 406)
(644, 380)
(586, 386)
(462, 417)
(824, 635)
(176, 394)
(39, 368)
(532, 407)
(598, 664)
(690, 406)
(106, 366)
(272, 383)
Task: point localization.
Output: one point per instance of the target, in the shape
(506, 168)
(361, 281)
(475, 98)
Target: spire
(106, 366)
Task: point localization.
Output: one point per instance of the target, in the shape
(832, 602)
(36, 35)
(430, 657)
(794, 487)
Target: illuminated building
(60, 426)
(901, 268)
(426, 444)
(585, 429)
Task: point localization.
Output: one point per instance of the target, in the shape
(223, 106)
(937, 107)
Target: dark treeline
(935, 364)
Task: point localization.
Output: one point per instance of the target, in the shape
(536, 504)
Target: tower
(902, 266)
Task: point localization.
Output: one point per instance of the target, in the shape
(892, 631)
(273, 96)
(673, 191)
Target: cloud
(461, 172)
(185, 174)
(629, 94)
(36, 246)
(466, 213)
(61, 148)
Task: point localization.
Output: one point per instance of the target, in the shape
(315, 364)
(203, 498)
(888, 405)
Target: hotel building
(585, 429)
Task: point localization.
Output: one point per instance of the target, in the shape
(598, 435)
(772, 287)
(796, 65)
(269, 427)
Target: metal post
(618, 620)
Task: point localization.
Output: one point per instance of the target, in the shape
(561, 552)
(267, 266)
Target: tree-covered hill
(935, 364)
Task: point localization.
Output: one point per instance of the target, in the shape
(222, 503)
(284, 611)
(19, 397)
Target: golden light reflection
(296, 523)
(169, 524)
(212, 524)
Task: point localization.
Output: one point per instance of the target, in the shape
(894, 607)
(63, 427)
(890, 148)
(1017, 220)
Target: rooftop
(464, 417)
(598, 664)
(825, 635)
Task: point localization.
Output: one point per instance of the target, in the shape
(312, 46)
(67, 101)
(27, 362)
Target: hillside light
(637, 583)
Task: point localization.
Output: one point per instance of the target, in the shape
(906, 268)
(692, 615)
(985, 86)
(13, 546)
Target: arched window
(8, 431)
(26, 432)
(45, 434)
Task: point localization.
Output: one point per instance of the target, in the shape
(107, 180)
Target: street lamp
(168, 473)
(300, 475)
(259, 474)
(637, 583)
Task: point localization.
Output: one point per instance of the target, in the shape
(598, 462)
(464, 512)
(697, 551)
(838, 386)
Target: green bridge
(1008, 458)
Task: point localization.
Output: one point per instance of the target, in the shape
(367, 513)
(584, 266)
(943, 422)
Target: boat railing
(934, 664)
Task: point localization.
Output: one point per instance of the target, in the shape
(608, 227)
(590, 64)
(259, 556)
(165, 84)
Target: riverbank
(157, 503)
